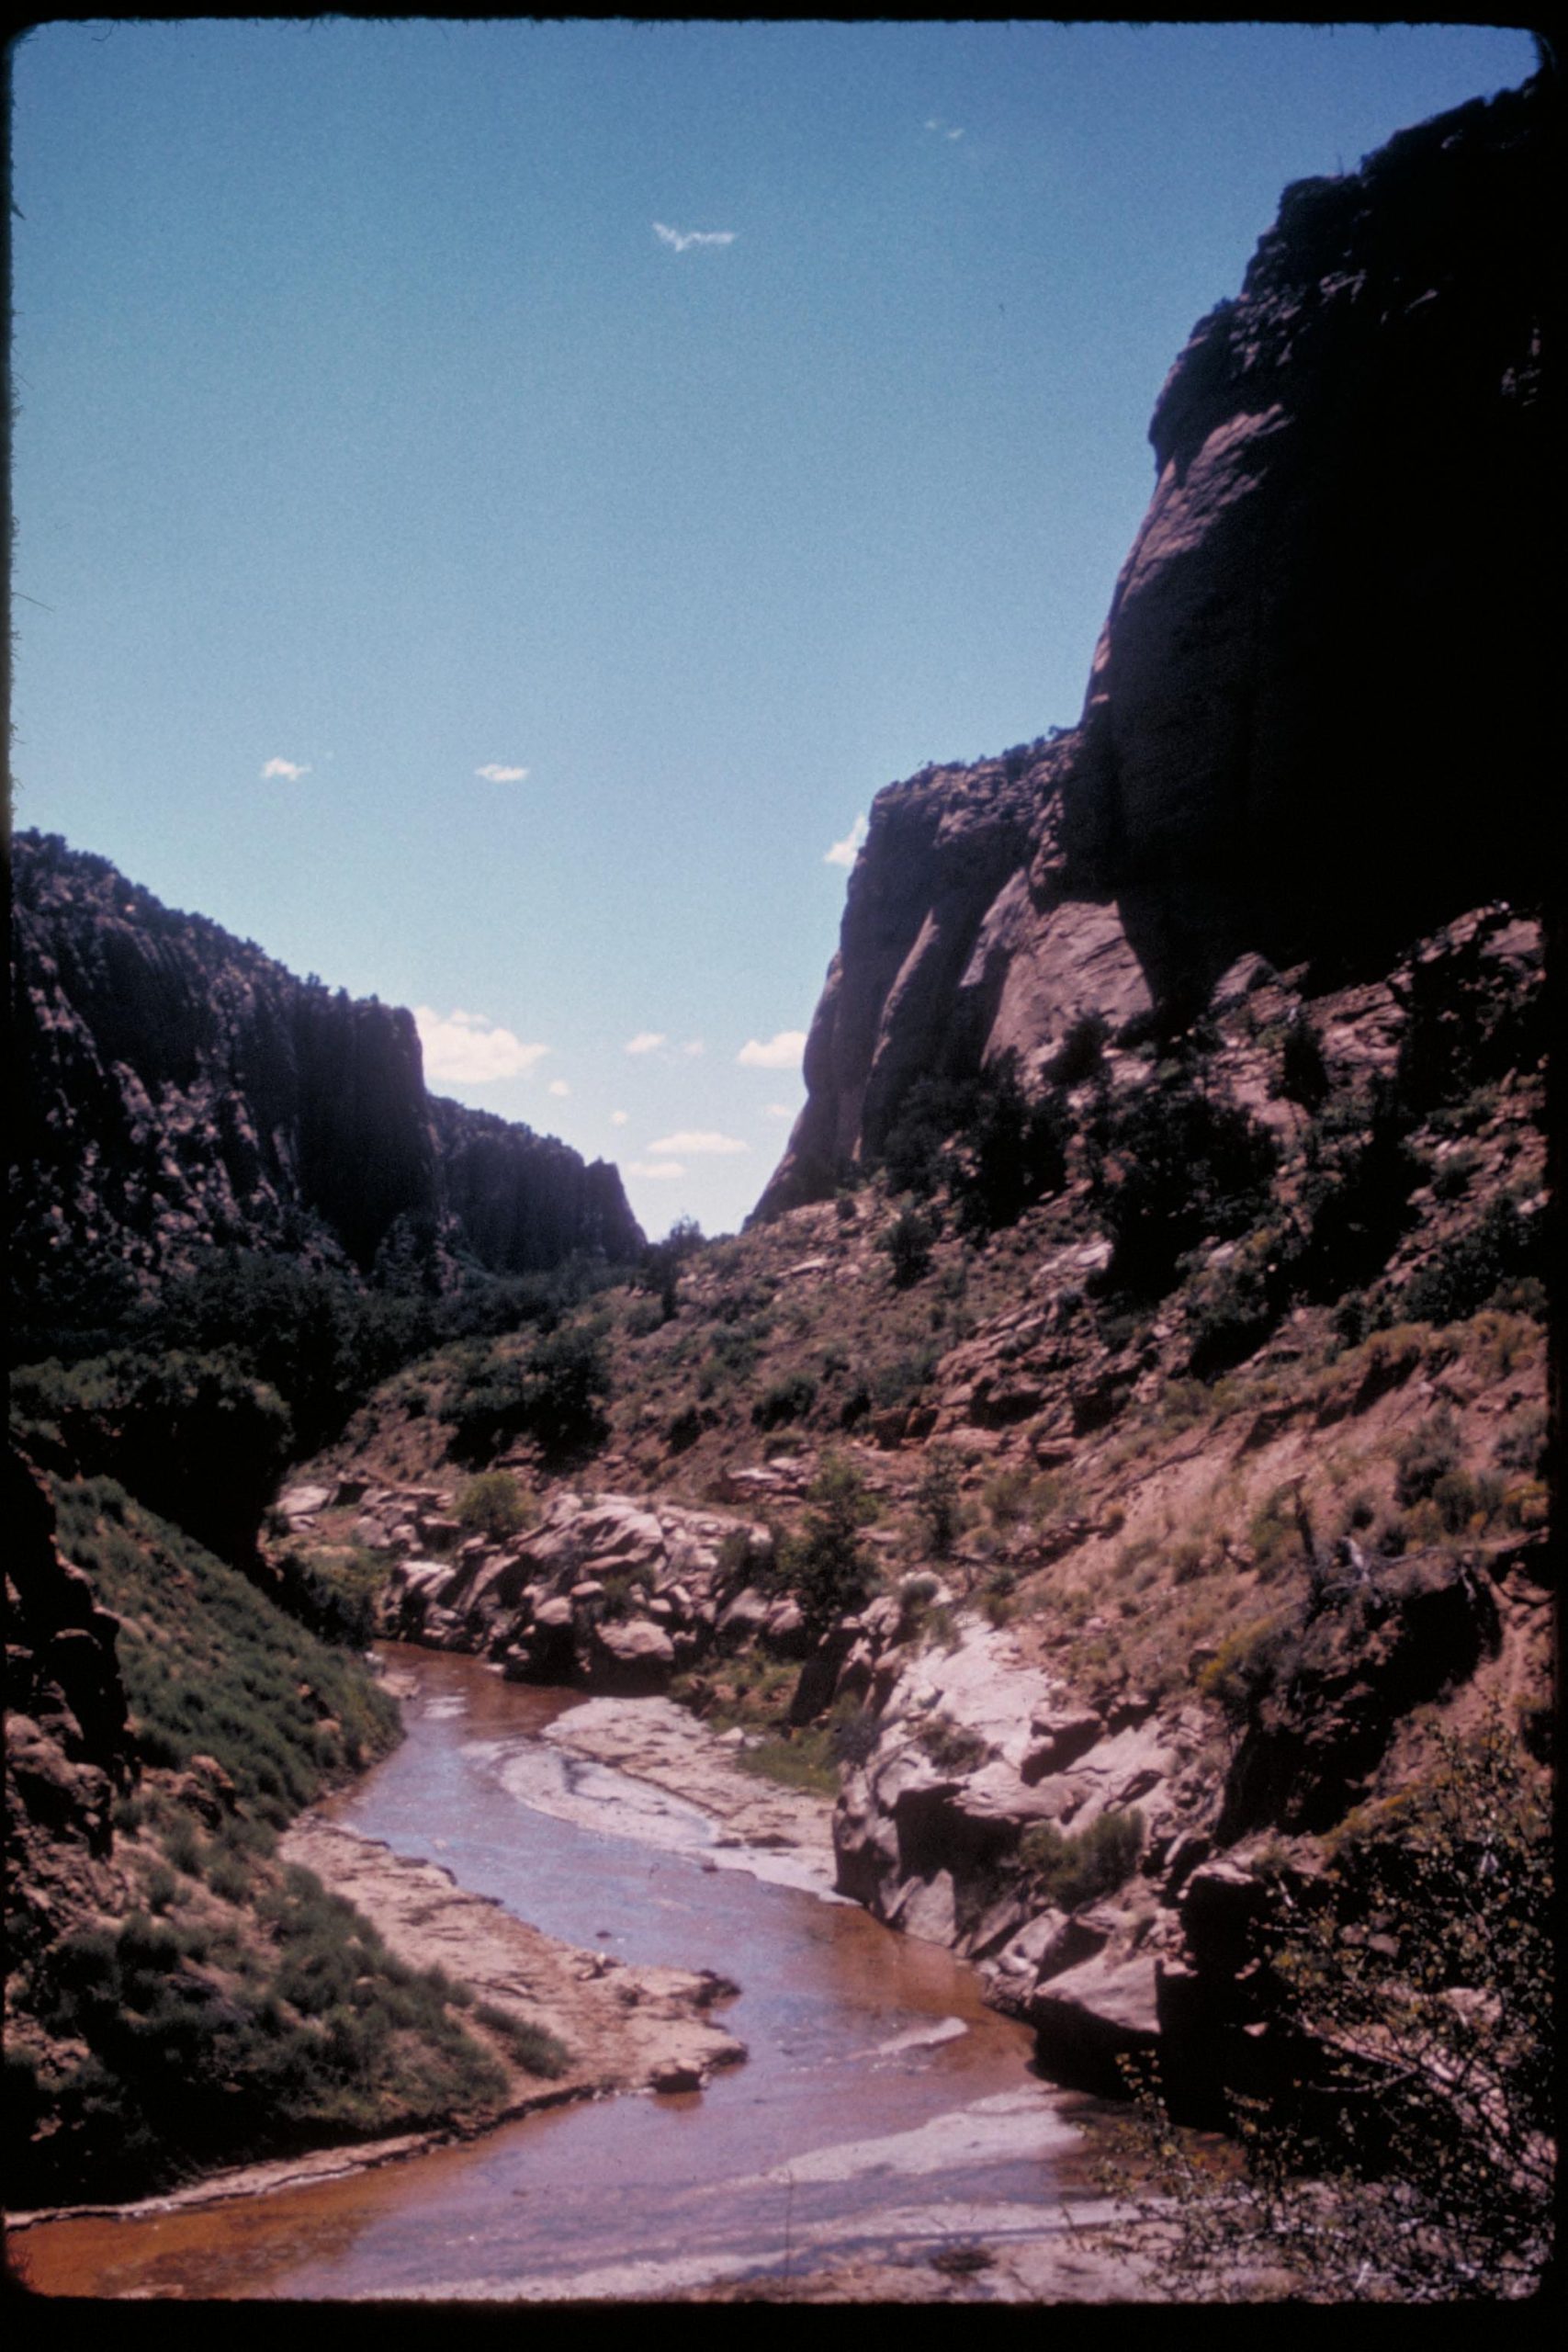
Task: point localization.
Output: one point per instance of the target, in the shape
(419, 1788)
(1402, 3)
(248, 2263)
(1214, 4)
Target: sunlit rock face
(177, 1090)
(1316, 724)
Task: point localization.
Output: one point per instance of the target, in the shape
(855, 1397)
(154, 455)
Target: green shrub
(907, 1243)
(493, 1504)
(789, 1399)
(823, 1563)
(211, 1667)
(994, 1150)
(938, 1501)
(530, 2046)
(554, 1394)
(1303, 1076)
(1249, 1665)
(1429, 1452)
(1280, 1531)
(195, 1437)
(1172, 1166)
(1501, 1260)
(1067, 1870)
(952, 1747)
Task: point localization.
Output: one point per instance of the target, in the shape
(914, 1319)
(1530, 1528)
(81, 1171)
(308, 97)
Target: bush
(1410, 2159)
(1303, 1076)
(195, 1437)
(789, 1399)
(554, 1394)
(1500, 1259)
(1069, 1870)
(994, 1150)
(909, 1242)
(938, 1503)
(493, 1504)
(1173, 1167)
(823, 1564)
(1430, 1451)
(529, 2045)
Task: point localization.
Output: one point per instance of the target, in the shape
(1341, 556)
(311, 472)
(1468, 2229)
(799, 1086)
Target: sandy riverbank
(628, 2028)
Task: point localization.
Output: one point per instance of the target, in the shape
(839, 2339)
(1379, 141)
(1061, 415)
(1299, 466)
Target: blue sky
(496, 501)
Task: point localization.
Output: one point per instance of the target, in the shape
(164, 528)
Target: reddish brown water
(882, 2108)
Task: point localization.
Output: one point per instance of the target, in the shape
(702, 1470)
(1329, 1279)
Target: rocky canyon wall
(177, 1090)
(1317, 720)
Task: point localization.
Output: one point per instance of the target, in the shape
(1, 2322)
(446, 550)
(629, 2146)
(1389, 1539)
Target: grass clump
(1067, 1870)
(528, 2045)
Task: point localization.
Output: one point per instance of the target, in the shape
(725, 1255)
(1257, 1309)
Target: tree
(939, 1501)
(909, 1242)
(1413, 2158)
(823, 1565)
(660, 1270)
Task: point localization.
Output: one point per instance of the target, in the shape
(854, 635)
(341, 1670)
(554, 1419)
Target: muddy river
(882, 2109)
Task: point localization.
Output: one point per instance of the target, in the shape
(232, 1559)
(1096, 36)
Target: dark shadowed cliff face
(1316, 724)
(176, 1090)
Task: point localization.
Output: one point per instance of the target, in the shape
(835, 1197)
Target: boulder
(630, 1657)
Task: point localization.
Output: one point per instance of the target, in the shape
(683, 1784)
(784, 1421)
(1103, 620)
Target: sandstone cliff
(178, 1089)
(1327, 643)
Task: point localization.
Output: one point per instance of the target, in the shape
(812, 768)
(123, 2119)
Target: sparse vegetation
(824, 1563)
(1068, 1869)
(1410, 2158)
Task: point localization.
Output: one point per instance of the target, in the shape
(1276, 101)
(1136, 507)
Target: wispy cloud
(942, 130)
(620, 1118)
(284, 768)
(560, 1085)
(647, 1041)
(692, 1140)
(493, 772)
(844, 852)
(655, 1168)
(693, 1046)
(681, 240)
(466, 1049)
(777, 1111)
(781, 1052)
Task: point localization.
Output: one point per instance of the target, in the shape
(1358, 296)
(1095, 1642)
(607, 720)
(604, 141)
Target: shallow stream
(883, 2109)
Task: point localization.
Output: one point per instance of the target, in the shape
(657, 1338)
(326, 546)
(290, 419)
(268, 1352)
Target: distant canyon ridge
(176, 1090)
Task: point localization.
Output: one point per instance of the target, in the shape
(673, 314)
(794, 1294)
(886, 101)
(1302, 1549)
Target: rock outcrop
(68, 1747)
(605, 1590)
(177, 1090)
(1327, 640)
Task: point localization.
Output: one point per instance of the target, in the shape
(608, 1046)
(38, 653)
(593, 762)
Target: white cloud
(681, 239)
(777, 1111)
(782, 1052)
(284, 768)
(647, 1041)
(655, 1168)
(560, 1085)
(700, 1139)
(493, 772)
(466, 1049)
(845, 852)
(693, 1046)
(620, 1118)
(934, 122)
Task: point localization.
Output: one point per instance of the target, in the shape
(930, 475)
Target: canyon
(1115, 1459)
